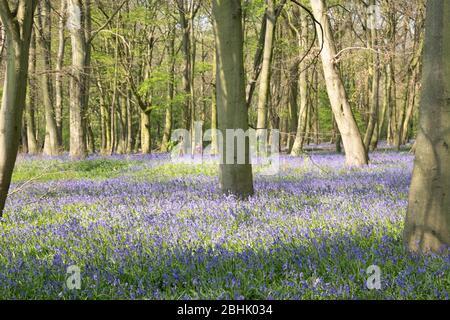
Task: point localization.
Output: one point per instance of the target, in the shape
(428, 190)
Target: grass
(147, 228)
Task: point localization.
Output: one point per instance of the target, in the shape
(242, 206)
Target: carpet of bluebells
(143, 227)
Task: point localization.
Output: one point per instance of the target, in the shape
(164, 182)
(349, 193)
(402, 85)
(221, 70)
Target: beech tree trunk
(18, 29)
(187, 11)
(264, 86)
(58, 70)
(235, 178)
(354, 147)
(146, 140)
(78, 148)
(297, 148)
(375, 92)
(427, 225)
(33, 145)
(170, 94)
(43, 22)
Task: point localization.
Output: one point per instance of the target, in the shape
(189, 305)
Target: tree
(58, 70)
(33, 145)
(354, 148)
(18, 24)
(301, 71)
(76, 23)
(271, 17)
(170, 91)
(235, 178)
(43, 32)
(427, 226)
(188, 11)
(375, 72)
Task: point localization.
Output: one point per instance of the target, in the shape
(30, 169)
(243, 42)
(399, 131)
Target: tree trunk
(297, 148)
(78, 148)
(146, 140)
(351, 137)
(33, 145)
(129, 123)
(427, 225)
(187, 54)
(170, 94)
(18, 31)
(51, 146)
(235, 178)
(264, 86)
(58, 69)
(292, 119)
(375, 94)
(214, 127)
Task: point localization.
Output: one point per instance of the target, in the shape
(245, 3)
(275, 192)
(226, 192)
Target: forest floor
(143, 227)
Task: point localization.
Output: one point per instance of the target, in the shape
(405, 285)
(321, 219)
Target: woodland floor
(142, 227)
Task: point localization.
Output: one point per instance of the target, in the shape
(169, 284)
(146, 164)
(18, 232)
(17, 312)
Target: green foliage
(38, 170)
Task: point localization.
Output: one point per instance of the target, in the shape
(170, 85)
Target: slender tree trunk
(393, 104)
(18, 31)
(129, 123)
(316, 106)
(297, 148)
(187, 54)
(24, 138)
(427, 225)
(410, 111)
(413, 74)
(87, 66)
(351, 137)
(214, 125)
(293, 84)
(235, 178)
(51, 146)
(264, 86)
(33, 145)
(375, 94)
(385, 105)
(170, 94)
(105, 119)
(123, 124)
(90, 138)
(257, 62)
(146, 140)
(58, 70)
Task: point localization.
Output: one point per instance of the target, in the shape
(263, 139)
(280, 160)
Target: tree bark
(354, 148)
(146, 140)
(58, 70)
(297, 148)
(170, 93)
(187, 27)
(33, 145)
(235, 178)
(375, 92)
(43, 22)
(18, 30)
(264, 86)
(78, 148)
(427, 225)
